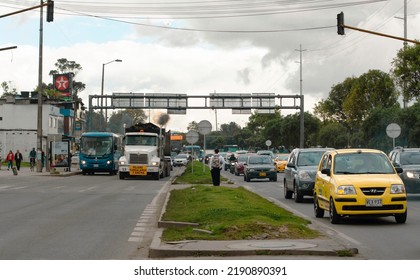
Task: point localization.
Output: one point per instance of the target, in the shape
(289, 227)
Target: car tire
(319, 212)
(401, 218)
(248, 179)
(296, 195)
(244, 177)
(287, 194)
(334, 217)
(275, 178)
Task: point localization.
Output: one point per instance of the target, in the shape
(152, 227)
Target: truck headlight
(155, 163)
(346, 190)
(121, 162)
(397, 188)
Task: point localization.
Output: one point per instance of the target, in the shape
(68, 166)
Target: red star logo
(61, 83)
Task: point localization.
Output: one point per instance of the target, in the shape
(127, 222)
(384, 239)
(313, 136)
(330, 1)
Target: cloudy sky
(202, 47)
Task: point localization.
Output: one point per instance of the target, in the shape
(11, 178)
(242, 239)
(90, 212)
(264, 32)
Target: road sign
(204, 127)
(191, 136)
(393, 130)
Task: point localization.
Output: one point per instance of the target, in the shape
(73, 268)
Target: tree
(406, 71)
(127, 117)
(8, 89)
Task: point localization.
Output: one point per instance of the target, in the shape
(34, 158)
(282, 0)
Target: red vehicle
(239, 165)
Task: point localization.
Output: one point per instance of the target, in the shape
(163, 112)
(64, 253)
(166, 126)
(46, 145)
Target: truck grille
(138, 158)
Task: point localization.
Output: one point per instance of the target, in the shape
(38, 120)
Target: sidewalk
(26, 171)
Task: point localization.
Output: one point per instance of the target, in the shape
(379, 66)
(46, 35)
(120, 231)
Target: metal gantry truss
(176, 103)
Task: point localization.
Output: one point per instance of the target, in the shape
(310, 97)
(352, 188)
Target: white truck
(145, 150)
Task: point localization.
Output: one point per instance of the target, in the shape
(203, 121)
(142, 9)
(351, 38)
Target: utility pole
(302, 119)
(40, 91)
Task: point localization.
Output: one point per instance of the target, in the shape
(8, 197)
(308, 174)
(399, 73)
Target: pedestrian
(18, 159)
(32, 157)
(42, 159)
(10, 158)
(216, 164)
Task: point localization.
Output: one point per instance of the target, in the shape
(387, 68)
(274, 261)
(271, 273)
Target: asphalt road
(78, 217)
(376, 238)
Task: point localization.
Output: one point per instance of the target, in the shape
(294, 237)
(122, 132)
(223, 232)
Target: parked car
(238, 168)
(259, 167)
(359, 182)
(299, 174)
(409, 160)
(181, 160)
(281, 161)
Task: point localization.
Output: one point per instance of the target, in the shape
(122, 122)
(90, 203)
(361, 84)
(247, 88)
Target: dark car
(259, 167)
(239, 167)
(300, 171)
(409, 160)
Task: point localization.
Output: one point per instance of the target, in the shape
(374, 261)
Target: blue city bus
(100, 152)
(194, 150)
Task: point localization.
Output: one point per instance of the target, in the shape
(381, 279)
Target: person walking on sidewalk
(10, 158)
(18, 159)
(216, 164)
(32, 157)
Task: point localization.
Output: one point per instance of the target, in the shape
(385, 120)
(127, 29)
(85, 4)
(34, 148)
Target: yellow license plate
(138, 170)
(263, 174)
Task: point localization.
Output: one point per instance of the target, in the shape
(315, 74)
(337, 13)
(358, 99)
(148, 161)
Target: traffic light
(50, 11)
(340, 23)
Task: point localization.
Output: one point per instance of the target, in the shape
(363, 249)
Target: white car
(181, 160)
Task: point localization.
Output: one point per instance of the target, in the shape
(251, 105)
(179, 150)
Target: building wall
(18, 125)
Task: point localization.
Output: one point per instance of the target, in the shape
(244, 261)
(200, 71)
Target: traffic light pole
(380, 34)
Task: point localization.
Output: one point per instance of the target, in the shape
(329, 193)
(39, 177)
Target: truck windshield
(142, 140)
(95, 146)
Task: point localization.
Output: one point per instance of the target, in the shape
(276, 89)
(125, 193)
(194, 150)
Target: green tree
(8, 89)
(67, 66)
(333, 134)
(406, 71)
(127, 117)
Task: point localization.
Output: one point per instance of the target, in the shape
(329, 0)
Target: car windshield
(309, 158)
(362, 163)
(260, 160)
(410, 158)
(182, 156)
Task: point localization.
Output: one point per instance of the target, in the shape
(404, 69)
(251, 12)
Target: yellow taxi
(281, 161)
(358, 182)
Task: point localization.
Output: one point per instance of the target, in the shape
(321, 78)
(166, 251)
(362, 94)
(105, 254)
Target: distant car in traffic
(281, 161)
(181, 160)
(299, 174)
(358, 182)
(409, 160)
(259, 167)
(239, 167)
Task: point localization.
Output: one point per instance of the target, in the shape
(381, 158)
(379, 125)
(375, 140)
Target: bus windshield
(94, 146)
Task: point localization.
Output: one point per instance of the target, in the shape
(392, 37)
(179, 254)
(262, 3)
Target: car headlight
(346, 190)
(272, 169)
(251, 170)
(397, 188)
(410, 174)
(304, 176)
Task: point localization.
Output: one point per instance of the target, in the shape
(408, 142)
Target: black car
(259, 167)
(409, 160)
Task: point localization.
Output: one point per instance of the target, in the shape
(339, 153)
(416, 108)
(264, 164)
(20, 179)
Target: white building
(18, 125)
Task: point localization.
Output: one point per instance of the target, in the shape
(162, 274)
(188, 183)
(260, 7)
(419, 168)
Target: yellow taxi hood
(368, 180)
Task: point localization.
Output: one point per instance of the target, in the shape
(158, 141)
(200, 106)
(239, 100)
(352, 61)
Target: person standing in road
(10, 158)
(216, 164)
(18, 159)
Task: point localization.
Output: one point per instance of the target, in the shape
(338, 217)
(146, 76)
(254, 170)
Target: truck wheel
(122, 175)
(156, 176)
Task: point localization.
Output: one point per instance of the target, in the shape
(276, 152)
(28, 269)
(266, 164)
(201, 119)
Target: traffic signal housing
(50, 11)
(340, 23)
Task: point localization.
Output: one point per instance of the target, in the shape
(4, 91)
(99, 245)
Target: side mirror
(399, 170)
(291, 165)
(326, 171)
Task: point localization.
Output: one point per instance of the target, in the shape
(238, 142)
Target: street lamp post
(102, 87)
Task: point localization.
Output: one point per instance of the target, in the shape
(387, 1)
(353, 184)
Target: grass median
(227, 212)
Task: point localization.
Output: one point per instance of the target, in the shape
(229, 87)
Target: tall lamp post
(102, 87)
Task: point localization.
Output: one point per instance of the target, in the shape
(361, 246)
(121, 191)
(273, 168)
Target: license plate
(138, 170)
(373, 202)
(95, 165)
(263, 174)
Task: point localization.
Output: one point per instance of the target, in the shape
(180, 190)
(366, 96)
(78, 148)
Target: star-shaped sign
(62, 83)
